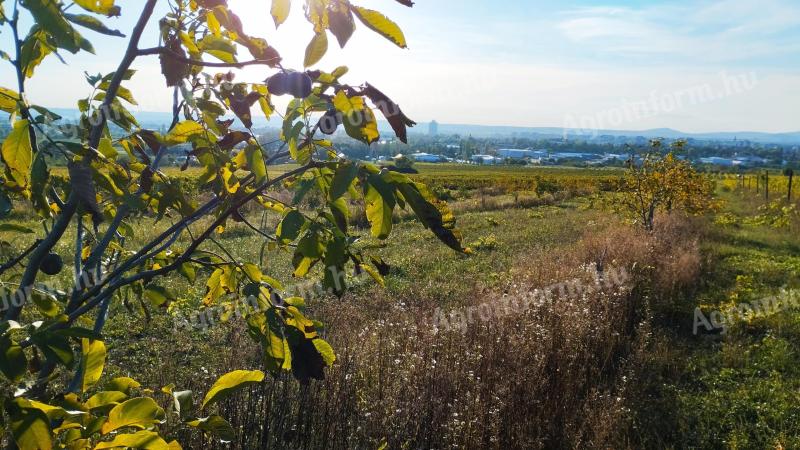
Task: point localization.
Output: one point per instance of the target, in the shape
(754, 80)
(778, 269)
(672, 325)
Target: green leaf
(342, 180)
(340, 213)
(316, 49)
(15, 228)
(12, 359)
(40, 181)
(122, 92)
(80, 333)
(434, 214)
(253, 272)
(380, 24)
(34, 50)
(47, 116)
(158, 295)
(106, 148)
(335, 258)
(255, 162)
(219, 47)
(229, 383)
(106, 399)
(29, 426)
(215, 426)
(48, 15)
(188, 271)
(92, 23)
(280, 11)
(183, 132)
(94, 358)
(55, 347)
(260, 328)
(362, 126)
(46, 304)
(17, 153)
(147, 440)
(380, 202)
(138, 412)
(8, 100)
(122, 384)
(290, 226)
(183, 402)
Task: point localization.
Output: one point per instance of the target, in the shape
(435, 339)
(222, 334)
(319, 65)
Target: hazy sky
(716, 65)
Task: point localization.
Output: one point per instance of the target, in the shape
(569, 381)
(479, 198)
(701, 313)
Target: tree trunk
(651, 217)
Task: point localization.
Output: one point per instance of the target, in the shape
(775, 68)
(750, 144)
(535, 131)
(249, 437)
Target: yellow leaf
(381, 25)
(280, 11)
(107, 149)
(231, 182)
(148, 440)
(316, 49)
(379, 213)
(85, 252)
(183, 131)
(325, 351)
(213, 24)
(8, 100)
(253, 272)
(348, 105)
(139, 412)
(17, 153)
(94, 358)
(264, 100)
(230, 382)
(99, 6)
(188, 42)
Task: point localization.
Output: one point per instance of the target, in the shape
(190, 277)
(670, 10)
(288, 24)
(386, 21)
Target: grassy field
(612, 366)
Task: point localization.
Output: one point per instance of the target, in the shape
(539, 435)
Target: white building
(485, 159)
(428, 158)
(512, 153)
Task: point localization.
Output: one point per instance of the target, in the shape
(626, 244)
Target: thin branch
(113, 286)
(254, 228)
(195, 62)
(113, 87)
(19, 258)
(277, 156)
(71, 206)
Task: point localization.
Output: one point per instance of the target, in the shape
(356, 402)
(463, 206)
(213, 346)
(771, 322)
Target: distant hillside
(667, 133)
(157, 119)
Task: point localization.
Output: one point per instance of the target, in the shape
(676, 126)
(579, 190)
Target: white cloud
(716, 31)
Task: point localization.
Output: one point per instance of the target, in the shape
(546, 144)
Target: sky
(694, 66)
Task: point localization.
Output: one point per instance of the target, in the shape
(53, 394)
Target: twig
(195, 62)
(19, 258)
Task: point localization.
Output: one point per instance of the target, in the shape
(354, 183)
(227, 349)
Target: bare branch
(195, 62)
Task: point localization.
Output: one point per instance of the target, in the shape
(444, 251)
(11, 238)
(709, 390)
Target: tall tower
(433, 128)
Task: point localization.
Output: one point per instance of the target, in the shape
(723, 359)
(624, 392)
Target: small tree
(404, 162)
(59, 332)
(665, 183)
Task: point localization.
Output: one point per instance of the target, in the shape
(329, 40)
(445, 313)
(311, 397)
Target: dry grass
(554, 374)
